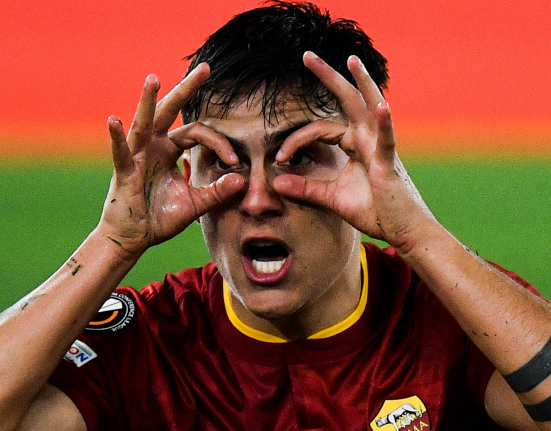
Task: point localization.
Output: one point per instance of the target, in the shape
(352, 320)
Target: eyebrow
(271, 139)
(280, 135)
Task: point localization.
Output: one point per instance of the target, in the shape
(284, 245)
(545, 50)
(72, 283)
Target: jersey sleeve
(130, 367)
(88, 391)
(96, 371)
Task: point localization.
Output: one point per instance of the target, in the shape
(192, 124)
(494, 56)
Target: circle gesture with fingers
(373, 192)
(150, 200)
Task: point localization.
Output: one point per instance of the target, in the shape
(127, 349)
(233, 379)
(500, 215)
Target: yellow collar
(324, 333)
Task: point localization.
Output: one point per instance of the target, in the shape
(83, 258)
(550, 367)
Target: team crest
(114, 315)
(408, 414)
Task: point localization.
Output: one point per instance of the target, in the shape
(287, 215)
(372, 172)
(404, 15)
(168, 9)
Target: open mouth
(267, 257)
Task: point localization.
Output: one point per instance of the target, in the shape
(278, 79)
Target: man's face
(280, 258)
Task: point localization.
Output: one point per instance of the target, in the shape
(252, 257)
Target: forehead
(246, 119)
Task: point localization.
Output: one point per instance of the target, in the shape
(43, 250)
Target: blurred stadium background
(470, 93)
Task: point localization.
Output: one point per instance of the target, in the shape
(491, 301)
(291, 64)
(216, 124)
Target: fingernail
(152, 80)
(384, 106)
(195, 70)
(362, 65)
(113, 119)
(279, 155)
(192, 72)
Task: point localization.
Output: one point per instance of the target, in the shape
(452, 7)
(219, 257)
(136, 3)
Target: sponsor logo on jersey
(408, 414)
(114, 315)
(80, 353)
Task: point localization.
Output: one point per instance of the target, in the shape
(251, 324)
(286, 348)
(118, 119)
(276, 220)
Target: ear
(186, 161)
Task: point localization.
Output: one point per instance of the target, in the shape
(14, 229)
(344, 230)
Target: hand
(149, 199)
(373, 192)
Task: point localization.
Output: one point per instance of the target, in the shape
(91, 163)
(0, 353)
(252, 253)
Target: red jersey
(169, 358)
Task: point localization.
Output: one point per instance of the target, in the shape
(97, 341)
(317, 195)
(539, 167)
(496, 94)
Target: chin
(272, 310)
(271, 315)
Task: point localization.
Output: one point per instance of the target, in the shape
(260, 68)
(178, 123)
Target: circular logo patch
(114, 315)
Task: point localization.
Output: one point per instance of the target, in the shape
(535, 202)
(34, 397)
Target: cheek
(326, 230)
(343, 235)
(218, 231)
(329, 168)
(210, 231)
(338, 246)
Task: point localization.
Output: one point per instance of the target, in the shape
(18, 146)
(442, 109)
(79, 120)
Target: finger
(369, 90)
(304, 189)
(386, 141)
(169, 107)
(328, 132)
(197, 133)
(216, 194)
(122, 159)
(142, 126)
(348, 96)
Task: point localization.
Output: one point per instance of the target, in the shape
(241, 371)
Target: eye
(219, 164)
(220, 167)
(300, 158)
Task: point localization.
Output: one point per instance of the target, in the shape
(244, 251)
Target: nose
(260, 200)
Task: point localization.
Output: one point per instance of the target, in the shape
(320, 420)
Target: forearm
(36, 332)
(507, 322)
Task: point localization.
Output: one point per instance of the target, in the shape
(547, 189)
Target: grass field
(500, 208)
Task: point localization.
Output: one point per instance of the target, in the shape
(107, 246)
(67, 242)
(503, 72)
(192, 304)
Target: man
(296, 324)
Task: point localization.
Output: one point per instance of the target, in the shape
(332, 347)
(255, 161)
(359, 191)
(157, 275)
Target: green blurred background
(499, 207)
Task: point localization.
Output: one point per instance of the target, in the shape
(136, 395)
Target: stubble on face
(293, 268)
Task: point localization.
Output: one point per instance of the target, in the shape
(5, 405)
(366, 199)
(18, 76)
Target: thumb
(303, 189)
(221, 191)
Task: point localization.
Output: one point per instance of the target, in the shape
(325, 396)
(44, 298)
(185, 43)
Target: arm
(508, 323)
(149, 201)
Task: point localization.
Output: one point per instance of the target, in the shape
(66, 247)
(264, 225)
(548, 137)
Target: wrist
(120, 249)
(415, 237)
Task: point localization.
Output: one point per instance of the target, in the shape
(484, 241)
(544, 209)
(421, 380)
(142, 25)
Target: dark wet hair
(262, 50)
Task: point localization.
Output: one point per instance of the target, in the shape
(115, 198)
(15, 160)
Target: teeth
(269, 267)
(263, 242)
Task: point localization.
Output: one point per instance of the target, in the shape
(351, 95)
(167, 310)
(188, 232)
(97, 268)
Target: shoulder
(399, 298)
(386, 256)
(191, 284)
(193, 280)
(138, 329)
(386, 267)
(180, 298)
(396, 294)
(386, 263)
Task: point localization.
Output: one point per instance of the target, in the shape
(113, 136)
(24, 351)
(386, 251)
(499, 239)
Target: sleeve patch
(115, 314)
(80, 353)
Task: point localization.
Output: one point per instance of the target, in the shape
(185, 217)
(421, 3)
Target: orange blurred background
(465, 75)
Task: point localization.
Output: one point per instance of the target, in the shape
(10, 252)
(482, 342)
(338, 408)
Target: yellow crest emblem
(408, 414)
